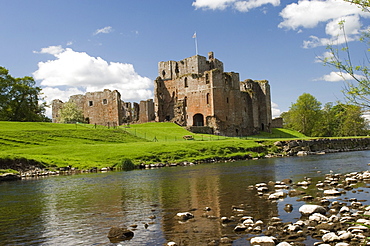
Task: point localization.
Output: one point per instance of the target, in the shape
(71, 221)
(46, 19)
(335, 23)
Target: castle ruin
(106, 108)
(195, 93)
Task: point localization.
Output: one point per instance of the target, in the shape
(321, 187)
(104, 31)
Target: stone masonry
(106, 108)
(196, 92)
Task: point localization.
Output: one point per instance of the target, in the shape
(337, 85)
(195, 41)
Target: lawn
(86, 146)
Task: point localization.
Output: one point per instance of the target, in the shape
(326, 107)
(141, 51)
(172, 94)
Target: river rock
(308, 209)
(9, 177)
(263, 241)
(332, 192)
(284, 244)
(330, 237)
(276, 195)
(118, 234)
(318, 217)
(185, 215)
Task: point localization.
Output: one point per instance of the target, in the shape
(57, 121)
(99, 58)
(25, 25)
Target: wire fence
(168, 137)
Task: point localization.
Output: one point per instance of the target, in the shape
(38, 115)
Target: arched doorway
(198, 120)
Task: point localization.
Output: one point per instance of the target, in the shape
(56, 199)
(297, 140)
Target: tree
(343, 120)
(304, 115)
(357, 77)
(70, 113)
(338, 120)
(20, 99)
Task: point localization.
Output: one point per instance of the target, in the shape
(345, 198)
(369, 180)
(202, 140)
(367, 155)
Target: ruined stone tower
(197, 93)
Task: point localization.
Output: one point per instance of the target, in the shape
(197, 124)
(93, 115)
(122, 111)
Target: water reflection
(80, 209)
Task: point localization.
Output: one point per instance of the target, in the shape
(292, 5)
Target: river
(80, 209)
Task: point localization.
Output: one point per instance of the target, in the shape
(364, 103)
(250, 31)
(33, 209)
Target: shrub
(126, 165)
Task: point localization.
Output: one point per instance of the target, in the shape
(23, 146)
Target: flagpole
(196, 43)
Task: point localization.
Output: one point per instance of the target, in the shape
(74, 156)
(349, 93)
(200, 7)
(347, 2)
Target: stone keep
(196, 92)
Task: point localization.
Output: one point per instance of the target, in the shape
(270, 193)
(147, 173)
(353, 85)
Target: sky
(75, 46)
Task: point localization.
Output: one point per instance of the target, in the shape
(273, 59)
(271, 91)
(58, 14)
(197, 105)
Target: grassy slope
(84, 146)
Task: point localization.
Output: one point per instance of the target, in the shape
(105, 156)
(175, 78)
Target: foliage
(126, 164)
(304, 115)
(19, 99)
(363, 4)
(332, 121)
(3, 171)
(70, 113)
(343, 120)
(357, 77)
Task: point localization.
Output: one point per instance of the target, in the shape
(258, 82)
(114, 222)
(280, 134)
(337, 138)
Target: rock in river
(308, 209)
(118, 234)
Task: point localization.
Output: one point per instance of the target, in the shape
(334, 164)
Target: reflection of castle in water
(195, 191)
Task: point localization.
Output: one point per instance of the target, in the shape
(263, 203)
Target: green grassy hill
(84, 146)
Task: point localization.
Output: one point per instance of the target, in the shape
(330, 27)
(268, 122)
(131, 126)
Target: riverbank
(30, 168)
(38, 149)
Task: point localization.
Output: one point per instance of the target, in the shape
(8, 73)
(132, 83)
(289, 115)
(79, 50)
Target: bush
(126, 165)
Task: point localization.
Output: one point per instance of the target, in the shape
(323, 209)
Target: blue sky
(74, 46)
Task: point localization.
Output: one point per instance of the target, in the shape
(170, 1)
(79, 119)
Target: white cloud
(52, 50)
(309, 13)
(212, 4)
(335, 77)
(326, 55)
(351, 26)
(245, 6)
(107, 29)
(242, 6)
(74, 72)
(275, 110)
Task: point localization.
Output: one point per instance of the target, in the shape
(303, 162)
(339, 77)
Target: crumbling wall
(146, 111)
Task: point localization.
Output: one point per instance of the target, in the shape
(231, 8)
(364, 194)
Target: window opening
(91, 103)
(105, 101)
(186, 82)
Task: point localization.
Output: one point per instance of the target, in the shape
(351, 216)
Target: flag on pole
(196, 42)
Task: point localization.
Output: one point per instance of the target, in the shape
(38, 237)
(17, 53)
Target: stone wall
(106, 108)
(322, 145)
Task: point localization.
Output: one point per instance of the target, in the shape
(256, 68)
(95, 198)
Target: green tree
(304, 115)
(350, 120)
(20, 99)
(70, 113)
(356, 77)
(343, 120)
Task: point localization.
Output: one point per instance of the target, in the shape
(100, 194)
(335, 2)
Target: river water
(80, 209)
